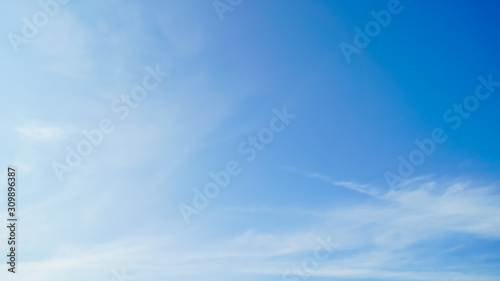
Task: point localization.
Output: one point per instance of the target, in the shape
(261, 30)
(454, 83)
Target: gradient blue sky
(323, 176)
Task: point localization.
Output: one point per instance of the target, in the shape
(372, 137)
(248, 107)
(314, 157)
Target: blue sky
(322, 177)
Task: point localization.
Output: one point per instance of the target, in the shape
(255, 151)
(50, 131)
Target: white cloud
(41, 133)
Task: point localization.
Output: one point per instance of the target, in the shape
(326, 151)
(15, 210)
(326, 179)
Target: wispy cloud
(386, 238)
(41, 133)
(363, 188)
